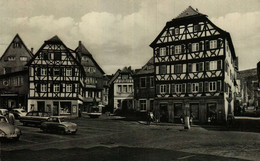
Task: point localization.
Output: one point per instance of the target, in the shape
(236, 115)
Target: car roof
(57, 117)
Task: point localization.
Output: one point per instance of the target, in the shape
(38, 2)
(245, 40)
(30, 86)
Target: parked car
(3, 111)
(34, 117)
(57, 124)
(8, 131)
(96, 111)
(18, 112)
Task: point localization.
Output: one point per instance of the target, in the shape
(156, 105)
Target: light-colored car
(18, 112)
(3, 111)
(34, 117)
(59, 125)
(8, 131)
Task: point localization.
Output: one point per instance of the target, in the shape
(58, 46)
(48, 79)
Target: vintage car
(8, 131)
(34, 117)
(95, 111)
(57, 124)
(18, 112)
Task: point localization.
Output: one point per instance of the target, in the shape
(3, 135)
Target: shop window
(178, 110)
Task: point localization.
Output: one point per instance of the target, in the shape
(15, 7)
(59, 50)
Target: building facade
(144, 89)
(14, 74)
(194, 69)
(94, 80)
(121, 90)
(56, 79)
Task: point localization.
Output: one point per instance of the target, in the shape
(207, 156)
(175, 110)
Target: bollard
(187, 122)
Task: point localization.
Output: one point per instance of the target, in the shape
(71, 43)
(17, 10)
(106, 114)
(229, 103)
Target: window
(56, 72)
(213, 65)
(178, 111)
(163, 89)
(151, 82)
(176, 31)
(119, 88)
(177, 49)
(195, 87)
(142, 105)
(130, 88)
(162, 69)
(163, 51)
(23, 58)
(212, 86)
(178, 88)
(16, 45)
(43, 71)
(7, 70)
(124, 76)
(68, 72)
(11, 58)
(178, 68)
(43, 88)
(69, 88)
(56, 88)
(213, 44)
(125, 88)
(197, 28)
(57, 56)
(143, 82)
(195, 47)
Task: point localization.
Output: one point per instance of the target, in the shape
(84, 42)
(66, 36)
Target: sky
(118, 32)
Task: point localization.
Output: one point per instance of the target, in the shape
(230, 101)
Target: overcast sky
(118, 32)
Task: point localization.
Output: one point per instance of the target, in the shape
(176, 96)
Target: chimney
(32, 50)
(79, 43)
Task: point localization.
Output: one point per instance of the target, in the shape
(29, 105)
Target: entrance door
(55, 108)
(41, 106)
(194, 110)
(164, 112)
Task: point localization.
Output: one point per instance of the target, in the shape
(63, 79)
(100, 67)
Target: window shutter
(201, 87)
(183, 90)
(61, 72)
(189, 88)
(173, 50)
(189, 67)
(182, 48)
(73, 72)
(200, 46)
(207, 45)
(219, 64)
(147, 82)
(218, 43)
(157, 89)
(197, 67)
(51, 87)
(167, 50)
(73, 88)
(207, 66)
(61, 87)
(189, 46)
(200, 66)
(206, 86)
(167, 88)
(51, 71)
(219, 85)
(173, 88)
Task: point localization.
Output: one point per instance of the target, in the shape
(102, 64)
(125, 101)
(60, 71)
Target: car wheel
(62, 132)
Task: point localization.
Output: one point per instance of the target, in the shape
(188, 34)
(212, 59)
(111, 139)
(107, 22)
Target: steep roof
(188, 12)
(54, 39)
(148, 68)
(82, 50)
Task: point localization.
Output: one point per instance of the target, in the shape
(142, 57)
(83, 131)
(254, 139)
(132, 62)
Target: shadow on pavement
(106, 154)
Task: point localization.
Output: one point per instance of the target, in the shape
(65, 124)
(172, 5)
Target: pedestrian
(148, 118)
(182, 118)
(191, 118)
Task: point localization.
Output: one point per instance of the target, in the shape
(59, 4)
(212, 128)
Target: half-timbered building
(93, 82)
(144, 89)
(194, 69)
(56, 79)
(121, 90)
(14, 74)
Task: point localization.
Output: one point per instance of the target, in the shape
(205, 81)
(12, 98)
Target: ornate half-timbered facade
(194, 69)
(144, 89)
(121, 90)
(56, 79)
(94, 81)
(14, 74)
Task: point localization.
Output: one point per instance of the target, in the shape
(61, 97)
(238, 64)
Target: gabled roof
(22, 43)
(148, 68)
(55, 40)
(125, 70)
(82, 50)
(189, 12)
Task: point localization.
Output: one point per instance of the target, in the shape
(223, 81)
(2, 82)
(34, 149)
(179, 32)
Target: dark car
(34, 117)
(8, 131)
(57, 124)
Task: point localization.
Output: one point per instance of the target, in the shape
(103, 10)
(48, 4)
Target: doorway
(164, 112)
(41, 105)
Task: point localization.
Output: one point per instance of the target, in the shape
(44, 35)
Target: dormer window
(23, 58)
(16, 45)
(11, 58)
(176, 31)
